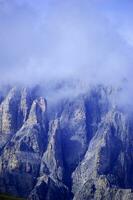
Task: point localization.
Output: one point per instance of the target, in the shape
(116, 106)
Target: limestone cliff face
(26, 98)
(80, 148)
(8, 112)
(21, 157)
(50, 182)
(109, 155)
(9, 115)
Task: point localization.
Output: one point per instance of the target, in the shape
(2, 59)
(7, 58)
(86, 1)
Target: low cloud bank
(53, 41)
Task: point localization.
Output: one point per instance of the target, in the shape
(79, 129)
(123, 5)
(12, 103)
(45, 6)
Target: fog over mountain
(66, 90)
(57, 40)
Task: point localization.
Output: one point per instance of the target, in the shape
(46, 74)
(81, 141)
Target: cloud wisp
(46, 41)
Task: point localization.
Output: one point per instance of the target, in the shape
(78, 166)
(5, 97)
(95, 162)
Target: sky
(55, 40)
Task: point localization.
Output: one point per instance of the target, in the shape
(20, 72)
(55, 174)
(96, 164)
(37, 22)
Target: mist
(53, 41)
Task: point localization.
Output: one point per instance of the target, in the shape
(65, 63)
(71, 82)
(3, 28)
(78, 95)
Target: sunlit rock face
(78, 148)
(21, 155)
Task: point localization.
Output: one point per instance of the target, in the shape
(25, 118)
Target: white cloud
(55, 40)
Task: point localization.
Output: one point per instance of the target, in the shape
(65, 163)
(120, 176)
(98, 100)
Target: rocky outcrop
(78, 148)
(8, 116)
(52, 169)
(26, 99)
(46, 189)
(52, 160)
(20, 160)
(101, 189)
(109, 154)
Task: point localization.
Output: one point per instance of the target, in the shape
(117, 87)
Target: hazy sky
(42, 40)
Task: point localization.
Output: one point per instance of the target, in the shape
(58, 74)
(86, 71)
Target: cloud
(43, 41)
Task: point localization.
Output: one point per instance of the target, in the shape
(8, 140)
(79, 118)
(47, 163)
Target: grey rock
(79, 148)
(21, 158)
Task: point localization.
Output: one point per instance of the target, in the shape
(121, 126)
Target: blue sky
(54, 39)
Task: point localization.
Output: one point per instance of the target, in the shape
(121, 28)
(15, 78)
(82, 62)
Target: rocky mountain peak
(37, 111)
(79, 148)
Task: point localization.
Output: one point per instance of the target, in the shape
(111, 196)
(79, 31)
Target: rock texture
(78, 148)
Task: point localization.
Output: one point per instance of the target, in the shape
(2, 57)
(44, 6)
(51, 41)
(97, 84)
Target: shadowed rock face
(80, 148)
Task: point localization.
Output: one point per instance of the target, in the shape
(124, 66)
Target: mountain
(76, 147)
